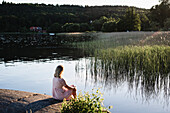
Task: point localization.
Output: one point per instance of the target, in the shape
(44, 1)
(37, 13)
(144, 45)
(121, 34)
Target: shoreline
(15, 101)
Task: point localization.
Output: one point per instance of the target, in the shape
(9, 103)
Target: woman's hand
(71, 87)
(74, 89)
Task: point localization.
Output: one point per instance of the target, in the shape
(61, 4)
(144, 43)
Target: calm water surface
(19, 71)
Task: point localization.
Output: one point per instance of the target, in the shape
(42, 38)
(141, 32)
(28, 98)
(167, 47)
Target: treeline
(72, 18)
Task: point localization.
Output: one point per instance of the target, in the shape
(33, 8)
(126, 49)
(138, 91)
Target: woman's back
(58, 83)
(60, 89)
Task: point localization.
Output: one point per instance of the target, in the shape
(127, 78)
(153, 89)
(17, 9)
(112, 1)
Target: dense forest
(74, 18)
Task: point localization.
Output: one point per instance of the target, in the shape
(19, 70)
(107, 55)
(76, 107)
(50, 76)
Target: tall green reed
(140, 59)
(144, 66)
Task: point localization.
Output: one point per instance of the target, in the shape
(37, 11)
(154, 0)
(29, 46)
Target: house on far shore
(36, 29)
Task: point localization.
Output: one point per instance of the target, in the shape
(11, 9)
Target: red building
(36, 29)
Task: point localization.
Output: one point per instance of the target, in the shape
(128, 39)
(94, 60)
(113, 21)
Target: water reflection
(147, 87)
(36, 76)
(124, 86)
(39, 55)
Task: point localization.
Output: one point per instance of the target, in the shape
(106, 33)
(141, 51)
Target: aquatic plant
(113, 40)
(142, 62)
(146, 66)
(148, 59)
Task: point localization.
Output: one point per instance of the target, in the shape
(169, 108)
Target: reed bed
(113, 40)
(148, 59)
(140, 59)
(145, 67)
(110, 40)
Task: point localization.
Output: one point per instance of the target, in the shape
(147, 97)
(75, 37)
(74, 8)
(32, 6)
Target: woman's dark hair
(58, 71)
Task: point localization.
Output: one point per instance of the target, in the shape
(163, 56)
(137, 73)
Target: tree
(132, 20)
(84, 27)
(121, 25)
(167, 24)
(137, 23)
(109, 26)
(145, 23)
(71, 27)
(54, 28)
(154, 26)
(26, 15)
(159, 13)
(165, 1)
(9, 23)
(97, 24)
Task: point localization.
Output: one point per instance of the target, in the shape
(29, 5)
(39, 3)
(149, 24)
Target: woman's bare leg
(74, 94)
(74, 91)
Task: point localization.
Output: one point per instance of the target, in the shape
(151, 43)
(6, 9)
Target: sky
(147, 4)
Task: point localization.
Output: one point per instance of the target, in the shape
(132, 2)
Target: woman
(60, 89)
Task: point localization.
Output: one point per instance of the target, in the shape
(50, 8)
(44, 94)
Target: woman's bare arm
(71, 88)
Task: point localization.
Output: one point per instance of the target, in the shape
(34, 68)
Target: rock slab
(13, 101)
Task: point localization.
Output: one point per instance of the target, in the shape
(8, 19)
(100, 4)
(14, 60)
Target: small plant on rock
(87, 103)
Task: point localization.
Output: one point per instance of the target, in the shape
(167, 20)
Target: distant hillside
(91, 12)
(17, 17)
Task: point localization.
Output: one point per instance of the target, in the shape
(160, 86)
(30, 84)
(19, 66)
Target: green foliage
(121, 25)
(17, 17)
(84, 27)
(137, 21)
(112, 40)
(109, 26)
(150, 60)
(9, 23)
(103, 19)
(145, 23)
(167, 24)
(71, 27)
(42, 15)
(23, 30)
(146, 67)
(97, 24)
(141, 59)
(154, 26)
(105, 24)
(132, 20)
(87, 103)
(159, 13)
(54, 28)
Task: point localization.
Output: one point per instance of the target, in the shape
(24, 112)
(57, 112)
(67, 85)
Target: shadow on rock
(38, 105)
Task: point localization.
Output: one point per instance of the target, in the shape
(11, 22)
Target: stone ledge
(13, 101)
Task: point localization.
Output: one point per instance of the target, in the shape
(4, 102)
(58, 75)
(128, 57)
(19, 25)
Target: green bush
(84, 27)
(86, 103)
(97, 24)
(54, 28)
(71, 27)
(167, 24)
(109, 26)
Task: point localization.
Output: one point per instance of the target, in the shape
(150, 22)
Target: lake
(30, 69)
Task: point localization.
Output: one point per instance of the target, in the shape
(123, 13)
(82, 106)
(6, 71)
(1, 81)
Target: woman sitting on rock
(60, 89)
